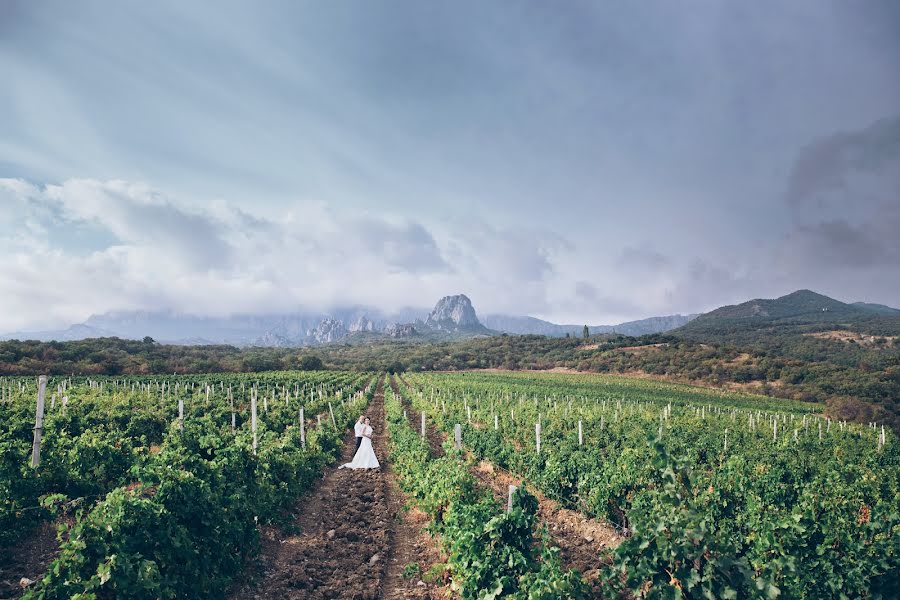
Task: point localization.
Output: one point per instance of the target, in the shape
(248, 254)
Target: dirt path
(27, 560)
(345, 530)
(353, 537)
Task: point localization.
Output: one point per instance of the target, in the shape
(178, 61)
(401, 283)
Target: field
(163, 488)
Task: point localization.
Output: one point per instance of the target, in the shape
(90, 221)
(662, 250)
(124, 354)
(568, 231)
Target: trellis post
(38, 422)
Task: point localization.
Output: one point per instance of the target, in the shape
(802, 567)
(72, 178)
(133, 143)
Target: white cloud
(87, 246)
(161, 254)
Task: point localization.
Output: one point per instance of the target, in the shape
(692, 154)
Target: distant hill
(526, 326)
(799, 312)
(799, 303)
(878, 308)
(535, 326)
(647, 326)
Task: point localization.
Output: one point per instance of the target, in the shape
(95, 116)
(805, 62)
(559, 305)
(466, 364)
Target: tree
(149, 340)
(396, 368)
(311, 363)
(587, 332)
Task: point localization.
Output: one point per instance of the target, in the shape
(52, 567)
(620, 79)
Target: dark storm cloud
(823, 172)
(844, 193)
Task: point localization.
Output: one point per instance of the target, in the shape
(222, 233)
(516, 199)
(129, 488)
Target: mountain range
(452, 317)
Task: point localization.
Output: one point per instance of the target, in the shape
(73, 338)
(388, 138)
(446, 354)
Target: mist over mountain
(452, 317)
(535, 326)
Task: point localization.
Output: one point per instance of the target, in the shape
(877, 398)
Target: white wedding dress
(365, 456)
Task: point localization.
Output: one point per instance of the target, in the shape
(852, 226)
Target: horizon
(370, 312)
(577, 165)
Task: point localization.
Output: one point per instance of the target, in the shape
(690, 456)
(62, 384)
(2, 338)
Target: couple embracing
(365, 454)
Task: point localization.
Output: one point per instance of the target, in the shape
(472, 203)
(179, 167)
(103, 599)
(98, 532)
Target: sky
(582, 162)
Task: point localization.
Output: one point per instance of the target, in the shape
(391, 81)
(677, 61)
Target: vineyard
(492, 485)
(160, 484)
(716, 494)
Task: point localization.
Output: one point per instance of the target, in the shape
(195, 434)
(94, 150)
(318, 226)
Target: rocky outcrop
(454, 314)
(362, 324)
(329, 330)
(401, 330)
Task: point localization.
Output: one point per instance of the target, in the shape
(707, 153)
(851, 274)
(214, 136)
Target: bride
(365, 456)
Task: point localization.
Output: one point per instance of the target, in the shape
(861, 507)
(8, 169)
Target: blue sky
(584, 162)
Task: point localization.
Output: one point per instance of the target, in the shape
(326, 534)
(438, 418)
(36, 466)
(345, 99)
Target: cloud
(643, 258)
(825, 174)
(408, 247)
(151, 251)
(844, 194)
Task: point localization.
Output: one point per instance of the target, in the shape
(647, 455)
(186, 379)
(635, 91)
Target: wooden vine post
(537, 437)
(580, 434)
(423, 424)
(231, 402)
(253, 418)
(457, 431)
(38, 422)
(302, 429)
(509, 500)
(331, 410)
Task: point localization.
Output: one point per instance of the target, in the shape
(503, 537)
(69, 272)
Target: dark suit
(358, 437)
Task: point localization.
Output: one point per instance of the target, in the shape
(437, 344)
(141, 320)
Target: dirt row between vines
(349, 539)
(27, 561)
(582, 541)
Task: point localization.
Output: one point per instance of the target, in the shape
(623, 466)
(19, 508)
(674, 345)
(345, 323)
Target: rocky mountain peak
(329, 330)
(454, 313)
(363, 323)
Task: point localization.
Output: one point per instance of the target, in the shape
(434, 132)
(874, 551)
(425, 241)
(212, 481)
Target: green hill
(878, 308)
(798, 313)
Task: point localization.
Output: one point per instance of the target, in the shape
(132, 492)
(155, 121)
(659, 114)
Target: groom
(358, 429)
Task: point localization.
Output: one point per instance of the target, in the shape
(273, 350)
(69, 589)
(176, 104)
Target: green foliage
(411, 570)
(677, 550)
(491, 553)
(807, 515)
(310, 362)
(167, 509)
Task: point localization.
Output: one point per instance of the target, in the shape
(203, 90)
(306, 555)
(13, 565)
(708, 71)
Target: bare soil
(853, 337)
(29, 559)
(350, 538)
